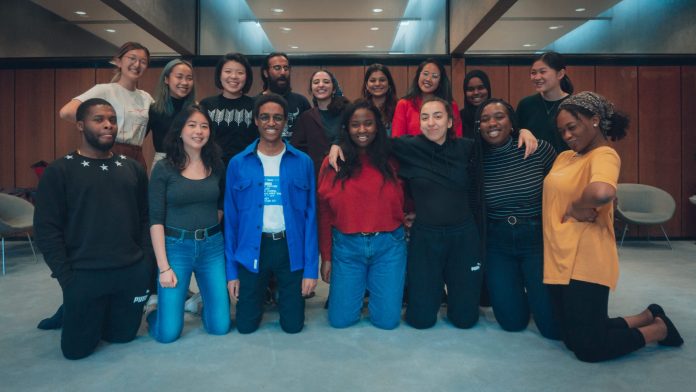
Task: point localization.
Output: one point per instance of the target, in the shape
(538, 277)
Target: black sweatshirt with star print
(91, 214)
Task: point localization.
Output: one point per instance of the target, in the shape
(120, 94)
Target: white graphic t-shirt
(273, 219)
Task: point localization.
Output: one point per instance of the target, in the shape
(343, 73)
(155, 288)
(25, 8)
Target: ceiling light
(286, 28)
(81, 13)
(278, 10)
(294, 47)
(528, 45)
(258, 24)
(374, 28)
(377, 10)
(370, 46)
(580, 9)
(404, 23)
(555, 27)
(110, 30)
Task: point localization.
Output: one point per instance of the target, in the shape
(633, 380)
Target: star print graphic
(122, 156)
(119, 163)
(85, 163)
(104, 167)
(68, 157)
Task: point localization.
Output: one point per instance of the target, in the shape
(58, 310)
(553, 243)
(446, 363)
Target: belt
(513, 220)
(198, 234)
(274, 236)
(368, 234)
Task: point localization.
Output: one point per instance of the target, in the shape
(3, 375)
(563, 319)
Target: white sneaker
(151, 304)
(194, 304)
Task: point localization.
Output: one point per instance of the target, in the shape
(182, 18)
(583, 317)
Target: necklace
(548, 109)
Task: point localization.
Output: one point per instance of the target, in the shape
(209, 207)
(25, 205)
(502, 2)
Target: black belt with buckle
(198, 234)
(369, 234)
(513, 220)
(274, 236)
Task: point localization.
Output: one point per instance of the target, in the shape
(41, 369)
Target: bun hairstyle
(613, 124)
(556, 62)
(125, 48)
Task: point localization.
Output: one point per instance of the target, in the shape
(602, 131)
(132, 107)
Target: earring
(595, 125)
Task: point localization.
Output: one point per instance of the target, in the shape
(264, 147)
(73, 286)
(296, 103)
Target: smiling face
(322, 86)
(278, 74)
(270, 122)
(434, 121)
(545, 78)
(180, 81)
(195, 133)
(581, 133)
(362, 128)
(132, 64)
(476, 92)
(232, 77)
(377, 84)
(429, 79)
(99, 127)
(495, 124)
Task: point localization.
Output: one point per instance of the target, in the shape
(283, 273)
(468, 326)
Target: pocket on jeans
(168, 240)
(398, 235)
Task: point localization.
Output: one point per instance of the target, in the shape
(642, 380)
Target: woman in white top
(131, 104)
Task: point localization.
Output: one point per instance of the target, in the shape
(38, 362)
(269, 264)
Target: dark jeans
(103, 304)
(515, 274)
(439, 256)
(586, 328)
(274, 260)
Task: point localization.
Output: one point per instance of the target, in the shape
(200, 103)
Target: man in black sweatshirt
(91, 223)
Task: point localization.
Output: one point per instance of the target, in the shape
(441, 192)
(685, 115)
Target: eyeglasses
(134, 59)
(267, 118)
(433, 75)
(285, 68)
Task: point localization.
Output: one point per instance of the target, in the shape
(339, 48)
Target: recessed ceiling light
(528, 45)
(286, 28)
(110, 30)
(580, 9)
(258, 24)
(555, 27)
(377, 10)
(294, 47)
(404, 23)
(374, 28)
(81, 13)
(278, 10)
(370, 46)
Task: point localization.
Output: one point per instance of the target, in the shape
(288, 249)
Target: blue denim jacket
(244, 211)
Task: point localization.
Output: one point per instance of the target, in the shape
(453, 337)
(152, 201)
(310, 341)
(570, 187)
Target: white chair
(640, 204)
(16, 217)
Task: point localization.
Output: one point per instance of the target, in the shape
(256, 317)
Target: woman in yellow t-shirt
(580, 259)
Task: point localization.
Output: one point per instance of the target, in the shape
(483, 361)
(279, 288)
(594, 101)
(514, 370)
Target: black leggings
(439, 256)
(586, 327)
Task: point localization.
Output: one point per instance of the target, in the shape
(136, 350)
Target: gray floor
(360, 358)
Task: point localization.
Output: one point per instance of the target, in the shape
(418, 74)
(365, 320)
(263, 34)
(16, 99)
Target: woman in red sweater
(429, 81)
(365, 250)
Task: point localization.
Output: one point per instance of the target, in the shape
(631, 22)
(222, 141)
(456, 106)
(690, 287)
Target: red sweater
(406, 119)
(364, 203)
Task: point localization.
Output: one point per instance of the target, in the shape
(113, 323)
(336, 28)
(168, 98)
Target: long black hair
(444, 90)
(556, 62)
(389, 106)
(377, 151)
(174, 145)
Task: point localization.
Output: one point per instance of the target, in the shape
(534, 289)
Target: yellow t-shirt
(580, 250)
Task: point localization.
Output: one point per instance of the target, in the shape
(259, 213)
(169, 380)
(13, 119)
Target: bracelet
(168, 269)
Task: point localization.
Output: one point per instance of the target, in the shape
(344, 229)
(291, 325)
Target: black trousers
(586, 327)
(103, 304)
(439, 256)
(274, 260)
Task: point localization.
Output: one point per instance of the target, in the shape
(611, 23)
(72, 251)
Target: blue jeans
(515, 273)
(376, 262)
(207, 259)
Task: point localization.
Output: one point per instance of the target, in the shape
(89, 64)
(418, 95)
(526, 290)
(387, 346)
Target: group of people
(378, 197)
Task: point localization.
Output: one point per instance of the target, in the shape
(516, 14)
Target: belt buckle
(202, 236)
(369, 233)
(512, 220)
(277, 236)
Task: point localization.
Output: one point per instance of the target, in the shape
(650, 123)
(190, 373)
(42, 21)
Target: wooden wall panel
(257, 86)
(204, 78)
(500, 81)
(582, 77)
(148, 82)
(104, 75)
(457, 78)
(350, 78)
(520, 84)
(659, 135)
(300, 80)
(7, 138)
(688, 109)
(69, 84)
(620, 86)
(34, 126)
(400, 76)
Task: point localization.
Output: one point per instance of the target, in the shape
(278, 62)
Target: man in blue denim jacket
(270, 222)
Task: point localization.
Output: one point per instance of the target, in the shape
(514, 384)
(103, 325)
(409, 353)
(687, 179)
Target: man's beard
(93, 141)
(280, 90)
